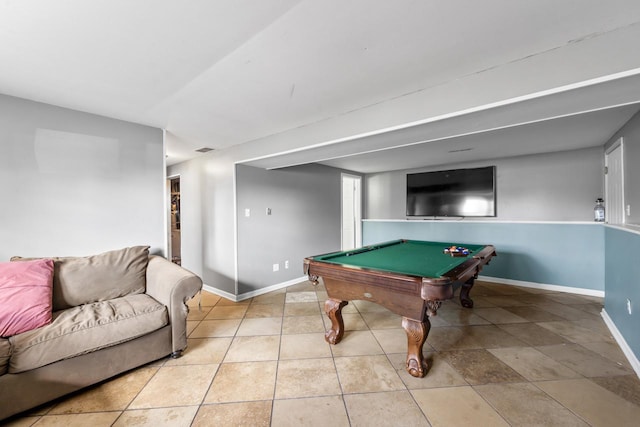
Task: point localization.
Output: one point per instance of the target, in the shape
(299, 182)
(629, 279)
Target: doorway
(175, 244)
(351, 212)
(614, 184)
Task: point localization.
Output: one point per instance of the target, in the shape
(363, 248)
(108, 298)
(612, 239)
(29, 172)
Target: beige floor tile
(254, 414)
(298, 297)
(523, 404)
(481, 367)
(302, 309)
(216, 328)
(305, 286)
(253, 349)
(356, 343)
(176, 386)
(365, 374)
(322, 295)
(461, 317)
(306, 378)
(302, 325)
(226, 302)
(96, 419)
(575, 333)
(456, 406)
(439, 374)
(227, 312)
(382, 319)
(260, 326)
(391, 340)
(275, 298)
(196, 313)
(394, 408)
(265, 310)
(311, 411)
(202, 351)
(191, 325)
(506, 301)
(533, 313)
(583, 361)
(490, 336)
(566, 312)
(304, 346)
(596, 405)
(627, 386)
(532, 334)
(204, 299)
(174, 417)
(113, 395)
(610, 350)
(497, 315)
(352, 322)
(236, 382)
(532, 364)
(444, 338)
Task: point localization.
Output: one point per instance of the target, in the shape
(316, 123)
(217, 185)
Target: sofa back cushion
(25, 296)
(113, 274)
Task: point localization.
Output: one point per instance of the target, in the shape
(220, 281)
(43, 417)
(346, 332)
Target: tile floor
(520, 357)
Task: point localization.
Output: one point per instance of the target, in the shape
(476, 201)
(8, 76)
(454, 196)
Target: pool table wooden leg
(465, 300)
(333, 308)
(416, 336)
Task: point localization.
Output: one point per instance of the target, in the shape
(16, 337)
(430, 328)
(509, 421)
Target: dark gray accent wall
(304, 221)
(77, 184)
(560, 186)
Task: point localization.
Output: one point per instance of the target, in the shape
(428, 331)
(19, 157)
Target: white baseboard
(633, 360)
(558, 288)
(257, 292)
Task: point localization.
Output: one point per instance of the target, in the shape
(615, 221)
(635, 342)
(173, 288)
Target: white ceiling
(219, 73)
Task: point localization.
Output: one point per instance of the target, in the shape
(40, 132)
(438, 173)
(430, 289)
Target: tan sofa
(111, 312)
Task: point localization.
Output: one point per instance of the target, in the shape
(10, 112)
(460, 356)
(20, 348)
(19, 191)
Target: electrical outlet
(629, 306)
(276, 267)
(247, 212)
(268, 211)
(286, 264)
(628, 210)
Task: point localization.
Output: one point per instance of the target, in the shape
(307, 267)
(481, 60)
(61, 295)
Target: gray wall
(559, 186)
(630, 133)
(77, 184)
(304, 221)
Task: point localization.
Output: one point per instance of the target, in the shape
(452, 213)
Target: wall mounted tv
(458, 192)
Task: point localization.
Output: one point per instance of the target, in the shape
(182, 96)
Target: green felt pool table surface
(408, 257)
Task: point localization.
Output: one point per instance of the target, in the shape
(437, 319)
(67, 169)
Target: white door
(614, 184)
(351, 212)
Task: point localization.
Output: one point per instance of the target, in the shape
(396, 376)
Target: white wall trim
(255, 293)
(546, 286)
(633, 360)
(485, 221)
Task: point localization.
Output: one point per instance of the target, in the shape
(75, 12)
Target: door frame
(619, 143)
(357, 216)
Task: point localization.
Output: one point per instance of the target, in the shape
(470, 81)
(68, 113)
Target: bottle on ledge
(598, 211)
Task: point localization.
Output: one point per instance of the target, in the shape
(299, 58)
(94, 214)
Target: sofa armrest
(173, 286)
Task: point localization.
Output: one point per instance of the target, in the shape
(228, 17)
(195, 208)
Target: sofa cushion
(86, 328)
(25, 292)
(113, 274)
(5, 353)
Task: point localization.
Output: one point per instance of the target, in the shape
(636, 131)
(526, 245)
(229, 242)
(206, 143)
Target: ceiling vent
(204, 150)
(460, 150)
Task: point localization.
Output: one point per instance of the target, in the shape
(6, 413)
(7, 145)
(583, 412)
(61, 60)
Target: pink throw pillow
(25, 295)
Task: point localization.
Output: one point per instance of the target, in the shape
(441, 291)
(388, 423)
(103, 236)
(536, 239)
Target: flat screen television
(453, 193)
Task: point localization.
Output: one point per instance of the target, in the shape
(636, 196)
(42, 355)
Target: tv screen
(459, 192)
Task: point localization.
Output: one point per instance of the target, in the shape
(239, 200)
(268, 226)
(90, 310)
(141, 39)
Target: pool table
(409, 277)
